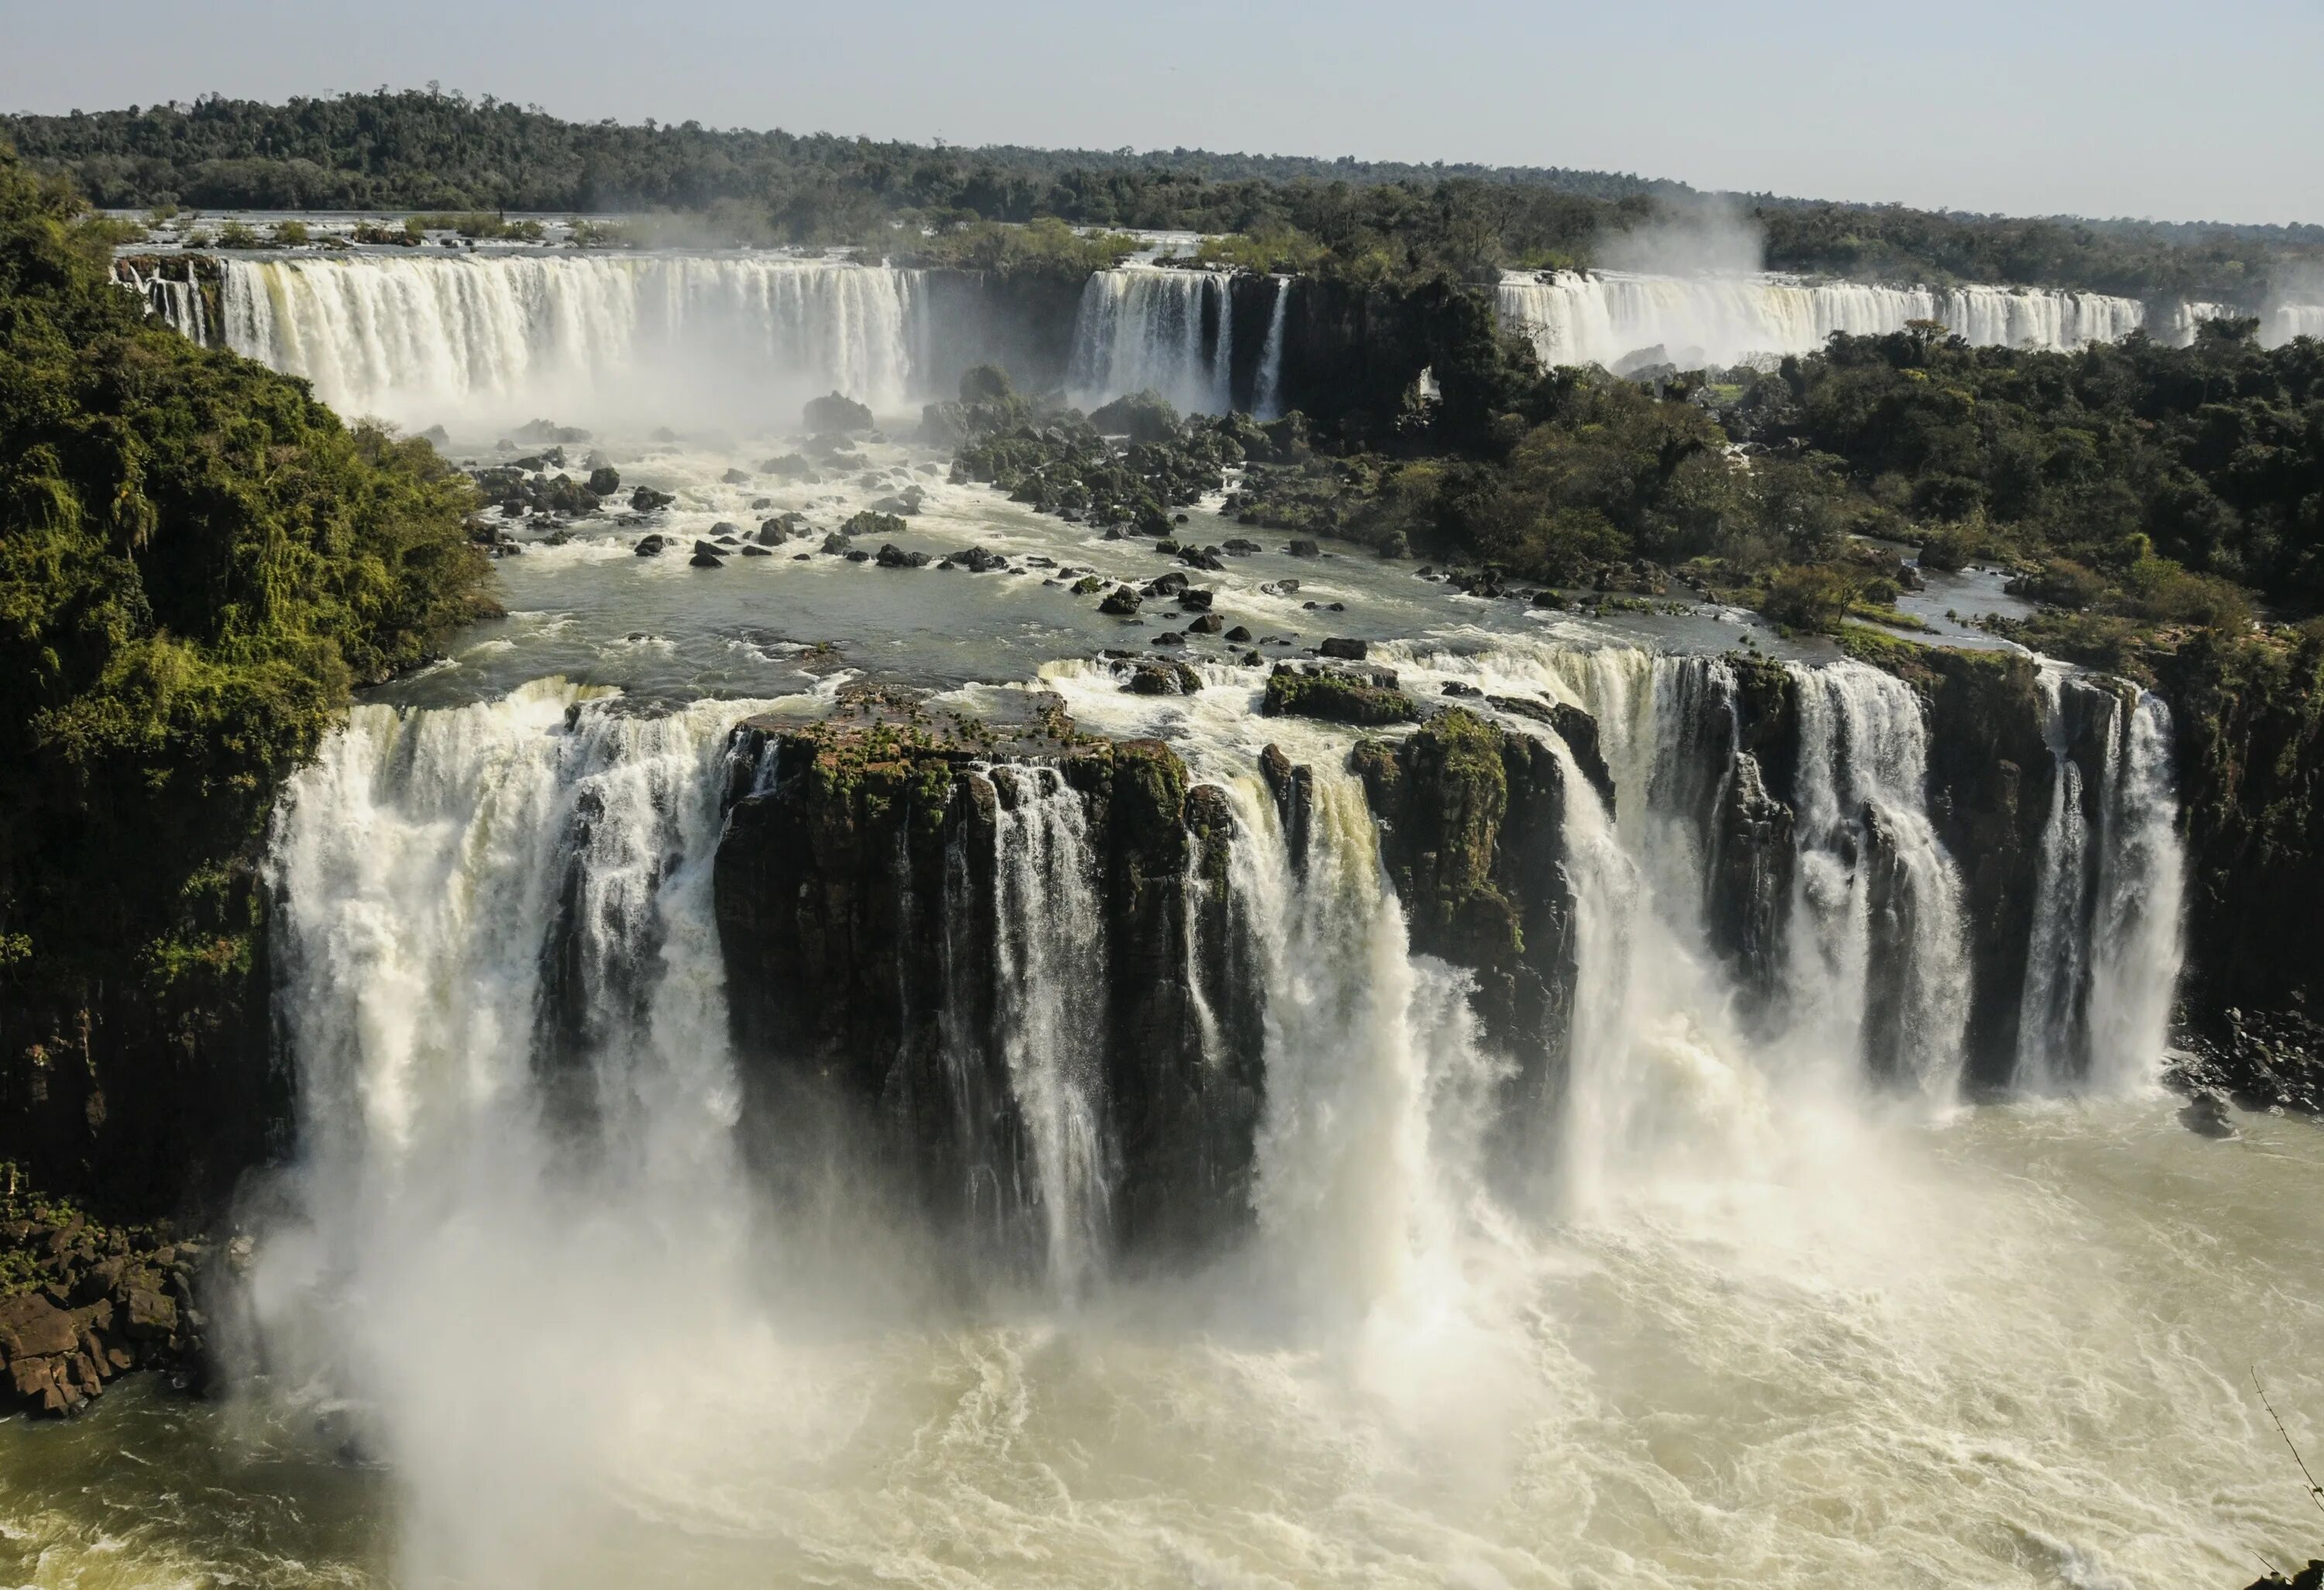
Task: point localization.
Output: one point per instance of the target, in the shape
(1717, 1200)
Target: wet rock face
(859, 910)
(1990, 777)
(2249, 752)
(93, 1303)
(1472, 822)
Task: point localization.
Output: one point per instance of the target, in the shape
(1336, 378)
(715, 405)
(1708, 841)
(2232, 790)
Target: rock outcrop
(1472, 831)
(859, 907)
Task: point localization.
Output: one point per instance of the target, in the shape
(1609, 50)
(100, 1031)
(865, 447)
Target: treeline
(411, 149)
(2131, 488)
(197, 562)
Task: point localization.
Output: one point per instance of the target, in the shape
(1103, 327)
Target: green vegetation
(196, 561)
(1367, 221)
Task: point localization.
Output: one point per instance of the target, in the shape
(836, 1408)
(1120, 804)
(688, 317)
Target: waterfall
(1267, 396)
(1349, 1206)
(485, 1214)
(500, 338)
(2102, 964)
(1877, 969)
(1151, 329)
(1049, 932)
(2285, 321)
(1608, 317)
(2134, 937)
(2052, 1008)
(177, 304)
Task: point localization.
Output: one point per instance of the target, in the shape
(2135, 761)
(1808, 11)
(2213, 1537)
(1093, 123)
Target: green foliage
(1048, 247)
(2209, 457)
(1366, 222)
(290, 234)
(1811, 597)
(197, 560)
(1273, 251)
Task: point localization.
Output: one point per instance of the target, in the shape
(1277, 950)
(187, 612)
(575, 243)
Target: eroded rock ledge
(860, 916)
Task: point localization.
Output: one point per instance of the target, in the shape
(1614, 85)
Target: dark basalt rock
(853, 853)
(650, 546)
(1119, 603)
(100, 1301)
(1163, 678)
(1990, 773)
(646, 500)
(1473, 830)
(1347, 649)
(894, 557)
(1364, 697)
(2262, 1060)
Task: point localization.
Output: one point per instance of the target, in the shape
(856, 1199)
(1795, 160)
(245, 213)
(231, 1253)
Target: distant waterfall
(1607, 318)
(500, 338)
(2284, 322)
(1143, 327)
(1267, 396)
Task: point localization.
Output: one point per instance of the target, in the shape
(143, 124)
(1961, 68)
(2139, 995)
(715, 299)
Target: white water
(2285, 321)
(490, 339)
(1767, 1329)
(1267, 397)
(1048, 929)
(177, 303)
(1154, 329)
(2135, 945)
(2050, 1035)
(2103, 966)
(493, 1297)
(1605, 316)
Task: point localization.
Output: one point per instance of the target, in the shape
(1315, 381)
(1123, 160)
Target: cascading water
(2102, 964)
(1605, 317)
(176, 302)
(1878, 965)
(496, 338)
(2285, 321)
(2134, 937)
(1266, 395)
(1152, 328)
(1048, 934)
(455, 885)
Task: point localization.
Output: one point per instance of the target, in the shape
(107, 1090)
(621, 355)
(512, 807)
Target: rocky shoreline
(85, 1303)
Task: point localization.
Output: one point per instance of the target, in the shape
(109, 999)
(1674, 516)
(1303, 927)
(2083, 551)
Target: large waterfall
(1151, 329)
(556, 1252)
(498, 338)
(1605, 318)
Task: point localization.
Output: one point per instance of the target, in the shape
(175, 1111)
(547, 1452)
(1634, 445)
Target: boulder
(1347, 650)
(606, 481)
(1120, 603)
(836, 412)
(894, 557)
(646, 500)
(650, 546)
(1304, 549)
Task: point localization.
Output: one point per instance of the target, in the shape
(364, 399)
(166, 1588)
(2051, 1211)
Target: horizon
(2150, 126)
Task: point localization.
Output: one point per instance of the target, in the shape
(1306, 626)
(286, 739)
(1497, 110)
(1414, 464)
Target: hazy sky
(2132, 107)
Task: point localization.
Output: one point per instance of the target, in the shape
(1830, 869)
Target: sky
(2177, 112)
